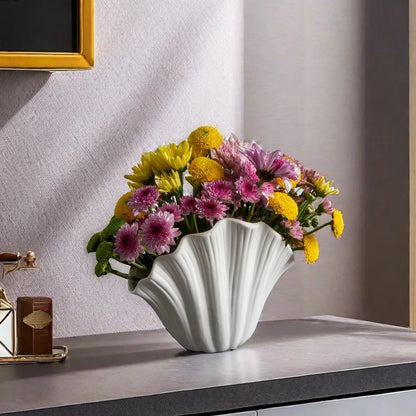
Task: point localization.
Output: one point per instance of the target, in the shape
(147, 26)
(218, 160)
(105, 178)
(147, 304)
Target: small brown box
(34, 326)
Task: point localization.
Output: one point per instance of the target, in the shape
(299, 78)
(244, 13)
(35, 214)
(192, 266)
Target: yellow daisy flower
(158, 162)
(122, 210)
(175, 156)
(204, 138)
(142, 172)
(311, 248)
(169, 182)
(337, 223)
(323, 188)
(284, 205)
(203, 169)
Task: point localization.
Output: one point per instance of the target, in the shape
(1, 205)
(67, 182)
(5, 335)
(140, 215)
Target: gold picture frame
(51, 61)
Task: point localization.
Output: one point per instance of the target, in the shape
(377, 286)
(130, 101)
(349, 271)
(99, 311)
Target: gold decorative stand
(59, 354)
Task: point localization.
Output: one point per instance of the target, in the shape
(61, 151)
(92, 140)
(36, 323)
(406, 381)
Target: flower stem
(116, 272)
(318, 228)
(139, 266)
(188, 226)
(195, 224)
(251, 212)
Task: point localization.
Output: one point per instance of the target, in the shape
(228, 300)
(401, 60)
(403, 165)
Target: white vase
(209, 293)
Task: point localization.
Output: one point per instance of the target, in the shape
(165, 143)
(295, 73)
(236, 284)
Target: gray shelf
(288, 361)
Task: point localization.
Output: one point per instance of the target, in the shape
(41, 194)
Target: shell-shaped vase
(209, 293)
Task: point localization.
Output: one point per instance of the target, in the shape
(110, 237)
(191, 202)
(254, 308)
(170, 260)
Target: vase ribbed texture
(210, 292)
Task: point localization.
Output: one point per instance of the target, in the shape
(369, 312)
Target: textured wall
(327, 81)
(324, 80)
(67, 139)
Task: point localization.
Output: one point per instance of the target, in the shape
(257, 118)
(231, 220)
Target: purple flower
(143, 198)
(295, 230)
(271, 165)
(248, 189)
(127, 243)
(188, 205)
(220, 189)
(210, 209)
(174, 209)
(157, 232)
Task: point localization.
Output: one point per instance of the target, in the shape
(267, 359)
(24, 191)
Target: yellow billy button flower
(311, 248)
(122, 210)
(204, 138)
(169, 182)
(203, 169)
(337, 223)
(284, 205)
(323, 188)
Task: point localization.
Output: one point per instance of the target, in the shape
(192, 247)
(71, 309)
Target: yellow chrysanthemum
(122, 210)
(337, 223)
(311, 248)
(203, 169)
(174, 156)
(204, 138)
(169, 182)
(284, 205)
(323, 188)
(158, 162)
(142, 172)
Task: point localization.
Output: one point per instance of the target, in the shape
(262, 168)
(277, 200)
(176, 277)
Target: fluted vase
(209, 293)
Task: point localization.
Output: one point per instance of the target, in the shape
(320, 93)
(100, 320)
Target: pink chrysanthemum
(248, 170)
(220, 189)
(266, 190)
(174, 209)
(158, 233)
(143, 198)
(127, 243)
(210, 209)
(248, 189)
(231, 158)
(271, 165)
(188, 205)
(295, 230)
(308, 175)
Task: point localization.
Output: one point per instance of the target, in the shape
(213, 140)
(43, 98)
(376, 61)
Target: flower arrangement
(186, 188)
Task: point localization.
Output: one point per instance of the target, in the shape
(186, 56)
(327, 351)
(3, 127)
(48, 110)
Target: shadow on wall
(386, 181)
(17, 88)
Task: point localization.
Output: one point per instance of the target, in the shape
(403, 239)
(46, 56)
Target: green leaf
(111, 229)
(93, 243)
(102, 268)
(104, 252)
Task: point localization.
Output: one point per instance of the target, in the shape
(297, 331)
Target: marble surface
(286, 361)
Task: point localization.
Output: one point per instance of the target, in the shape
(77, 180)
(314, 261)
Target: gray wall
(325, 81)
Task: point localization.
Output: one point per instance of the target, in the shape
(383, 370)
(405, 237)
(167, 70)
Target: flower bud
(327, 206)
(310, 197)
